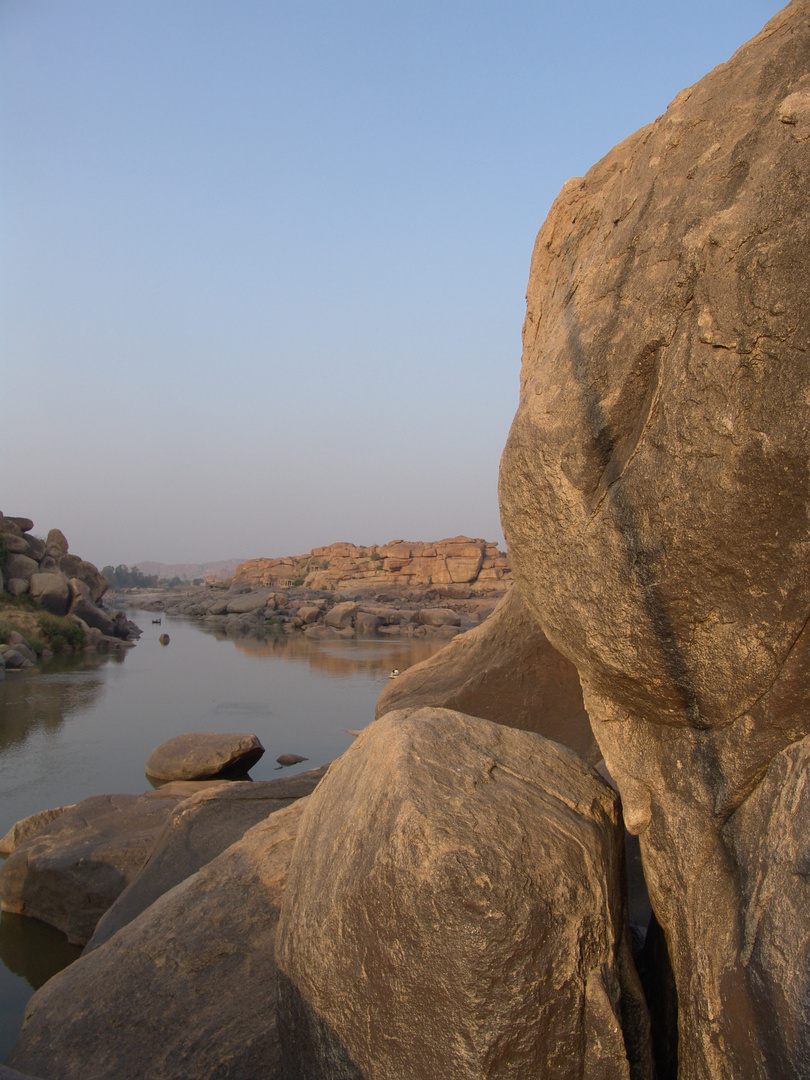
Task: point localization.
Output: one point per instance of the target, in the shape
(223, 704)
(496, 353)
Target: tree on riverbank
(122, 577)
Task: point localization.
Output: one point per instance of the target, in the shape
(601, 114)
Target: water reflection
(33, 950)
(42, 698)
(341, 658)
(83, 725)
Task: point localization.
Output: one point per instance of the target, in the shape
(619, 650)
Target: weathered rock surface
(198, 830)
(654, 492)
(465, 918)
(194, 976)
(504, 670)
(200, 755)
(23, 829)
(69, 872)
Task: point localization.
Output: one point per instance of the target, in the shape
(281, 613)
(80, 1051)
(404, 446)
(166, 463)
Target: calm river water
(83, 726)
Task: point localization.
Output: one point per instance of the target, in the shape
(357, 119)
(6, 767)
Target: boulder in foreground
(201, 755)
(464, 919)
(185, 991)
(68, 873)
(198, 830)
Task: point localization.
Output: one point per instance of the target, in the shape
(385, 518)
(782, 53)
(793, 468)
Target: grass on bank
(39, 628)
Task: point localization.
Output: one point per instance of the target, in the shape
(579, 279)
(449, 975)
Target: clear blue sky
(263, 262)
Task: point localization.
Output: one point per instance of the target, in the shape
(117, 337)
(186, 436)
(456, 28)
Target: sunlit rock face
(464, 918)
(654, 493)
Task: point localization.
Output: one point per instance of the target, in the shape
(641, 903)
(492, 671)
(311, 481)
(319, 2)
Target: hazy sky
(263, 262)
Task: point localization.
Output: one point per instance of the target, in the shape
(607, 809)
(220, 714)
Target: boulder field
(244, 609)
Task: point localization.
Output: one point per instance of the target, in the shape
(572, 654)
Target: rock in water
(464, 918)
(290, 759)
(200, 755)
(187, 990)
(655, 491)
(71, 870)
(504, 670)
(198, 830)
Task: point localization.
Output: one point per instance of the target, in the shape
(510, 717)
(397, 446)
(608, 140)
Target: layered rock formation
(409, 564)
(655, 491)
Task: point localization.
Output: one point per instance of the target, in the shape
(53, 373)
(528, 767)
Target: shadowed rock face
(504, 670)
(465, 918)
(654, 492)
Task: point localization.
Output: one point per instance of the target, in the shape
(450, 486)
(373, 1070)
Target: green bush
(58, 632)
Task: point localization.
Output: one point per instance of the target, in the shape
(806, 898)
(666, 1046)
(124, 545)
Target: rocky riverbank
(51, 600)
(241, 608)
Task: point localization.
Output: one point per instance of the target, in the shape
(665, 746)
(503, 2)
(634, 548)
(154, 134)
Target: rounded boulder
(201, 755)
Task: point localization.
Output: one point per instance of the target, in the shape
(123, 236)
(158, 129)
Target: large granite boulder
(465, 918)
(56, 544)
(198, 830)
(68, 873)
(8, 522)
(74, 567)
(83, 608)
(51, 592)
(187, 990)
(504, 670)
(200, 755)
(655, 491)
(341, 616)
(20, 566)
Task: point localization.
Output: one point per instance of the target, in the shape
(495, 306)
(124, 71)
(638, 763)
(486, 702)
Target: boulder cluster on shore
(41, 575)
(401, 589)
(244, 609)
(458, 898)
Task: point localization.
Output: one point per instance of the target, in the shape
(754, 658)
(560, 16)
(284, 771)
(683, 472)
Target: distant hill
(189, 571)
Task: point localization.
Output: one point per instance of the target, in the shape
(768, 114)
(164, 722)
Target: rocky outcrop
(70, 871)
(194, 978)
(504, 670)
(247, 609)
(198, 830)
(477, 564)
(464, 919)
(655, 491)
(202, 755)
(58, 582)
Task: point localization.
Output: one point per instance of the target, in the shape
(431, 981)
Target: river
(81, 726)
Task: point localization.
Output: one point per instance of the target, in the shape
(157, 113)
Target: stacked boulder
(59, 583)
